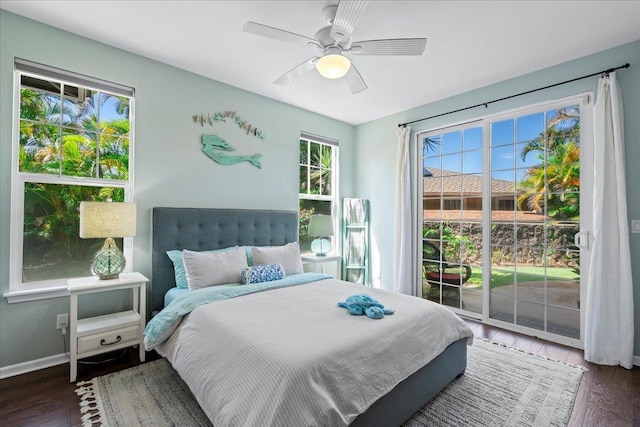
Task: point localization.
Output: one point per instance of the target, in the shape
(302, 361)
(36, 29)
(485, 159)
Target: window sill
(24, 295)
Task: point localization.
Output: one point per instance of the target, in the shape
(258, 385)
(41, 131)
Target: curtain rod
(486, 104)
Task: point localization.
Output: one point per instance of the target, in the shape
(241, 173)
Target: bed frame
(198, 229)
(202, 229)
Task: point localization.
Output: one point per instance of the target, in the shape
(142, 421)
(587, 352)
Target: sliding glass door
(452, 217)
(501, 233)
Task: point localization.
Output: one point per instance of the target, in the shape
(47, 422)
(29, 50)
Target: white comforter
(292, 357)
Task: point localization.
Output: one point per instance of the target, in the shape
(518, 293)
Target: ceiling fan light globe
(333, 66)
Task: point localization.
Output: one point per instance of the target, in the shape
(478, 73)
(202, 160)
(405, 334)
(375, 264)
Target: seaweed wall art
(223, 116)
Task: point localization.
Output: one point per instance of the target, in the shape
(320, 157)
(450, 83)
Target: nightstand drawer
(107, 339)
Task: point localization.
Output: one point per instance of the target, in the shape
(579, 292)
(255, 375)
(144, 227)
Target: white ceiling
(470, 44)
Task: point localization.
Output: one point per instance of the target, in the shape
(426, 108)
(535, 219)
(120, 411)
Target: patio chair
(434, 270)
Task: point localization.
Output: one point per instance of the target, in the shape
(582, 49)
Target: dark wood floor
(608, 396)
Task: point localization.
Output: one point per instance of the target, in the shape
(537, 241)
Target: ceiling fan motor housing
(323, 36)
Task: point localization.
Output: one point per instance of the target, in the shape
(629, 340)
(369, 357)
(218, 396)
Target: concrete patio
(563, 304)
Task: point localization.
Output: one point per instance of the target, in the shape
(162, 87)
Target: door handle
(581, 239)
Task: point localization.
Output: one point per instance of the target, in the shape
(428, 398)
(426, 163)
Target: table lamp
(320, 226)
(107, 219)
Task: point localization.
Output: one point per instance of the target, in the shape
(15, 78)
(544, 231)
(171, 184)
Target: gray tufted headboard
(200, 229)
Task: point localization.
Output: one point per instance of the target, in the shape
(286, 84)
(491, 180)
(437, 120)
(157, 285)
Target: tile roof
(476, 216)
(444, 181)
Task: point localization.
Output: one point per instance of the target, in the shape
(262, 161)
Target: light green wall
(170, 169)
(376, 144)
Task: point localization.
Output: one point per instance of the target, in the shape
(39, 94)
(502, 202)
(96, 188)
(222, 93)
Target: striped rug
(501, 387)
(504, 387)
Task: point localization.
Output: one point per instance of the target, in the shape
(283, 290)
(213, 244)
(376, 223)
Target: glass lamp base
(109, 261)
(321, 246)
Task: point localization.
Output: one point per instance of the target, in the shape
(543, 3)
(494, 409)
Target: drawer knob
(118, 339)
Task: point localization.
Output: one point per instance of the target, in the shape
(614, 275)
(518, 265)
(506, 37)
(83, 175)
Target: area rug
(501, 387)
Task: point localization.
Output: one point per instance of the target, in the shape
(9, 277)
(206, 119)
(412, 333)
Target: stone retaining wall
(533, 245)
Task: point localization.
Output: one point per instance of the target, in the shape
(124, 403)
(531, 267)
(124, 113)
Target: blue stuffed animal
(360, 304)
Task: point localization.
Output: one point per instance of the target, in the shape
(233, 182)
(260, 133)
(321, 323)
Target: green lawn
(501, 276)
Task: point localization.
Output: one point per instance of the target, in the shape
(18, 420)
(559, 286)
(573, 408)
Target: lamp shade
(107, 219)
(320, 226)
(333, 66)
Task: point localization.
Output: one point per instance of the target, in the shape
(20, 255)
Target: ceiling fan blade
(297, 72)
(354, 80)
(278, 34)
(346, 17)
(389, 47)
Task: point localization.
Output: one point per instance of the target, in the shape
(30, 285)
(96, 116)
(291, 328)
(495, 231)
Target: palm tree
(42, 116)
(532, 190)
(122, 105)
(563, 125)
(563, 167)
(321, 176)
(556, 179)
(429, 144)
(66, 138)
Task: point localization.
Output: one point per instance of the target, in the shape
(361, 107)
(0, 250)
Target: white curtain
(609, 314)
(403, 279)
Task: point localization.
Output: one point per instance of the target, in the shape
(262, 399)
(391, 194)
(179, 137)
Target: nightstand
(101, 334)
(329, 264)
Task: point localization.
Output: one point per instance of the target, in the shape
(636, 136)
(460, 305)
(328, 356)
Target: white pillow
(214, 268)
(287, 255)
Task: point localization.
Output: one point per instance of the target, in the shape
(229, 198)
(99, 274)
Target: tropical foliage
(315, 168)
(67, 136)
(307, 208)
(315, 190)
(454, 245)
(61, 138)
(303, 228)
(430, 144)
(554, 182)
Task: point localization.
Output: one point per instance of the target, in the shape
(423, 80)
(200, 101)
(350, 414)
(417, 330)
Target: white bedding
(291, 356)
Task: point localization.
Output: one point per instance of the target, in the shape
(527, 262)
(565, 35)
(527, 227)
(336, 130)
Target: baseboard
(636, 360)
(33, 365)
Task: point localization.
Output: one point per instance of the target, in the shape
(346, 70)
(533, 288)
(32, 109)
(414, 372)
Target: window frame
(20, 291)
(333, 198)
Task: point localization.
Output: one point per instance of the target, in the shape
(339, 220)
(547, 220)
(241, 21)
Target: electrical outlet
(62, 321)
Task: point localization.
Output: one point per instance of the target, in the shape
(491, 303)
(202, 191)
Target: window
(318, 182)
(506, 205)
(452, 204)
(72, 143)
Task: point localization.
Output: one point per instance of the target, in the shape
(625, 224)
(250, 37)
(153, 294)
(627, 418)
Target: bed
(330, 354)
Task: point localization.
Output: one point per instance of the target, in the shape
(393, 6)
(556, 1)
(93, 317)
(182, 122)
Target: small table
(319, 264)
(101, 334)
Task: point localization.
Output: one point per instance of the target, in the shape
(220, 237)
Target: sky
(461, 151)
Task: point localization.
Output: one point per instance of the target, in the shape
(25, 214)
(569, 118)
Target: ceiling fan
(334, 41)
